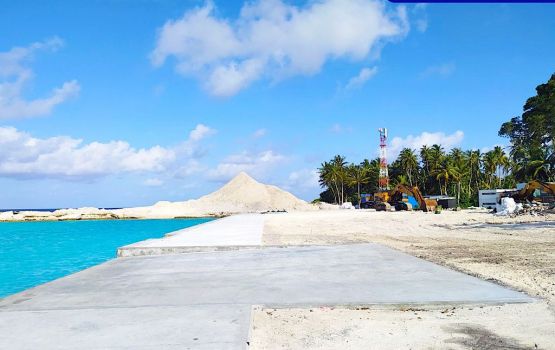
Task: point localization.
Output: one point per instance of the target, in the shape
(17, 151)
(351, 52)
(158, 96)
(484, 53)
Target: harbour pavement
(203, 300)
(232, 232)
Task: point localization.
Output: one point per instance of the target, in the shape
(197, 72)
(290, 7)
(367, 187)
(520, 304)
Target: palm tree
(459, 168)
(357, 175)
(540, 168)
(333, 175)
(327, 180)
(457, 175)
(372, 169)
(446, 172)
(438, 153)
(490, 167)
(437, 160)
(502, 162)
(339, 176)
(474, 161)
(409, 163)
(425, 156)
(401, 180)
(442, 174)
(458, 157)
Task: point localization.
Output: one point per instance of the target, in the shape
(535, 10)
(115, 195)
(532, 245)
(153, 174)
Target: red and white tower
(383, 179)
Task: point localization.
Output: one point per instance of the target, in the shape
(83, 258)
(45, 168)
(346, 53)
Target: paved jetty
(232, 232)
(203, 300)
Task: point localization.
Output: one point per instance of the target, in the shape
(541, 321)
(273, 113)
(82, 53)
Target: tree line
(457, 172)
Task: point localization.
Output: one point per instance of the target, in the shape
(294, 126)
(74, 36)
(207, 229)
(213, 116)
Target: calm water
(32, 253)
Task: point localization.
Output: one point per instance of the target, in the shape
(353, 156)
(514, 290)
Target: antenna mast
(383, 179)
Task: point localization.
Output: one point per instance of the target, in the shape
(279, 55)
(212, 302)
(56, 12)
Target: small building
(490, 198)
(446, 202)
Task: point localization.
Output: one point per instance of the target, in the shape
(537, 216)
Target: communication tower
(383, 179)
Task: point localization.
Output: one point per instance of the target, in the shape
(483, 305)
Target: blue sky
(119, 103)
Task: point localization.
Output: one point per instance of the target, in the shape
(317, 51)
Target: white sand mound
(242, 194)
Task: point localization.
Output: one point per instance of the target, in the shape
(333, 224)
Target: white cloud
(158, 89)
(302, 183)
(192, 148)
(419, 12)
(303, 179)
(259, 133)
(486, 149)
(227, 80)
(256, 164)
(11, 62)
(339, 129)
(361, 78)
(199, 132)
(442, 70)
(422, 24)
(425, 138)
(153, 182)
(191, 167)
(15, 76)
(273, 39)
(25, 156)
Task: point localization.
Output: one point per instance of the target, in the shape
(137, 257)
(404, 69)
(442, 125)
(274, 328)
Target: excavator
(385, 199)
(527, 192)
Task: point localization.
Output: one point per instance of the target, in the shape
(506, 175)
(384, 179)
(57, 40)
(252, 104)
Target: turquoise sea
(32, 253)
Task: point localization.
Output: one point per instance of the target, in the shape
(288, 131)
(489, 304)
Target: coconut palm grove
(457, 172)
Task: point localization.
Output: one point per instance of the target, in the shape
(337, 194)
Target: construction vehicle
(386, 199)
(382, 196)
(424, 204)
(529, 192)
(367, 201)
(381, 201)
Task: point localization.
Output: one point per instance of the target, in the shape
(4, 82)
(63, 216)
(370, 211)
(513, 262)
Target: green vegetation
(345, 182)
(456, 173)
(532, 136)
(459, 173)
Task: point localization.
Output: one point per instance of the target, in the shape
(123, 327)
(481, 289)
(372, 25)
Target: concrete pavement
(203, 300)
(237, 231)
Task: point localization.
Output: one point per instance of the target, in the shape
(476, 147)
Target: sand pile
(242, 194)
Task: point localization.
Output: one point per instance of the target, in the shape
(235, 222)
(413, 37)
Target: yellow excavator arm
(528, 190)
(424, 204)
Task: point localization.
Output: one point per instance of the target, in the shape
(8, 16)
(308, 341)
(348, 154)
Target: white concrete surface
(233, 231)
(203, 300)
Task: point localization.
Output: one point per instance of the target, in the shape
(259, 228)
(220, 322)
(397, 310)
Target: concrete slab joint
(204, 300)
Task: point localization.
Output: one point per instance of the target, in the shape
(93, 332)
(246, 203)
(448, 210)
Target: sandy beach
(516, 252)
(277, 175)
(279, 292)
(511, 326)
